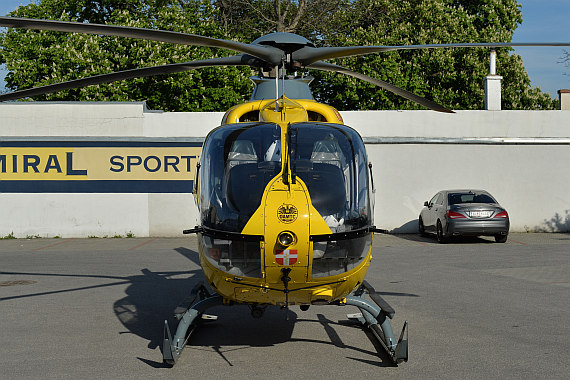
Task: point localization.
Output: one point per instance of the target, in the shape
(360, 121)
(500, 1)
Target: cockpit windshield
(239, 160)
(331, 160)
(237, 163)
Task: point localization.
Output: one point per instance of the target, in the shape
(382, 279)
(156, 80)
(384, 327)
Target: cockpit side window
(240, 160)
(328, 150)
(241, 152)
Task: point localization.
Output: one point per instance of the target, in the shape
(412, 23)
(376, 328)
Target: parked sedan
(464, 213)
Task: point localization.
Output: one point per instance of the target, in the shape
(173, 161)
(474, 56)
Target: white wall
(519, 156)
(530, 181)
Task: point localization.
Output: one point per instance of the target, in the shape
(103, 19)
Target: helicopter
(283, 188)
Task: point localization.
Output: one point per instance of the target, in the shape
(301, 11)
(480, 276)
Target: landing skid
(190, 313)
(374, 315)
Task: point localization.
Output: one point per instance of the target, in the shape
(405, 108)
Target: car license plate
(479, 214)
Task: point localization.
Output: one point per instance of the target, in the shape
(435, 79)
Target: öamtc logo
(287, 213)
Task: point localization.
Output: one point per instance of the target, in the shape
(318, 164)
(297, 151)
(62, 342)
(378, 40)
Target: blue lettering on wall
(118, 162)
(157, 164)
(52, 163)
(70, 170)
(31, 160)
(173, 164)
(133, 161)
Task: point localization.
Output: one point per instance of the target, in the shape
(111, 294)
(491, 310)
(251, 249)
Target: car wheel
(441, 238)
(421, 227)
(501, 238)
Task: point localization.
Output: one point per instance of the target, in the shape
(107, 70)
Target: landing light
(286, 238)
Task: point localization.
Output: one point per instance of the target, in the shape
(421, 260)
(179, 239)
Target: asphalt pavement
(95, 308)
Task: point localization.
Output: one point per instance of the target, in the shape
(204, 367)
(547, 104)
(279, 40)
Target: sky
(543, 21)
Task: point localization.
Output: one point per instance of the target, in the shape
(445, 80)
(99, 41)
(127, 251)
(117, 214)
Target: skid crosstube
(376, 316)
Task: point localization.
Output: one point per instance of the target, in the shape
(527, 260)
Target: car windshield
(458, 198)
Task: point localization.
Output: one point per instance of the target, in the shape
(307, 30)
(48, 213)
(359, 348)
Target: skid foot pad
(170, 354)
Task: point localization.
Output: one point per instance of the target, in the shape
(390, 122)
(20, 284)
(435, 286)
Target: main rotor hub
(287, 42)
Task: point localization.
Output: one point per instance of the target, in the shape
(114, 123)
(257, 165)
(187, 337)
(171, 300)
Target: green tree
(39, 58)
(254, 18)
(452, 77)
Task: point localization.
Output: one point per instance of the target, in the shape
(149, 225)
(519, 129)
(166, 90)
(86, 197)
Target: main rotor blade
(266, 53)
(308, 55)
(236, 60)
(380, 83)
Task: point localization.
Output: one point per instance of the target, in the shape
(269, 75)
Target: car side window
(440, 199)
(433, 200)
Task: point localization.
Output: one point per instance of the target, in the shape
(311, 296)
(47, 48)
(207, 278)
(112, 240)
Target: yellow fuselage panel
(313, 111)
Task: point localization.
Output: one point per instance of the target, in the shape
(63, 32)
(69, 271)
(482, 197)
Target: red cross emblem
(286, 257)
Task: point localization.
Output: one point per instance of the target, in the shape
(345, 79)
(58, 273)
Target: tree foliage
(452, 77)
(254, 18)
(39, 58)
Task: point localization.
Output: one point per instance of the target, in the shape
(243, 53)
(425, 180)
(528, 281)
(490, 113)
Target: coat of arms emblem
(287, 213)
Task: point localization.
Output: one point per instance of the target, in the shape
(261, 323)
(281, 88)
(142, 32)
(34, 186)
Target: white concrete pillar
(564, 99)
(493, 86)
(493, 92)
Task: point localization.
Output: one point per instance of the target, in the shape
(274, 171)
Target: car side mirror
(426, 204)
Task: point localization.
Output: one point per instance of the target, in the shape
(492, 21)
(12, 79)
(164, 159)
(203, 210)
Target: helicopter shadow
(381, 358)
(151, 299)
(276, 326)
(236, 330)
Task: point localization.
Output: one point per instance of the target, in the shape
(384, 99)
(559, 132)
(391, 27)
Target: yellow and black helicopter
(284, 189)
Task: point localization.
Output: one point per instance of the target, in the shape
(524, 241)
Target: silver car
(464, 213)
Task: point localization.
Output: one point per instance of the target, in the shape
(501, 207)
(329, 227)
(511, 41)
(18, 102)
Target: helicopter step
(376, 316)
(199, 290)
